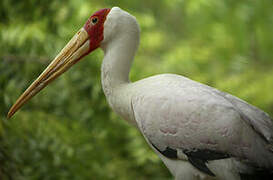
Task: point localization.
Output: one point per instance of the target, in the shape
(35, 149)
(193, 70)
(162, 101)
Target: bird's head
(94, 28)
(96, 32)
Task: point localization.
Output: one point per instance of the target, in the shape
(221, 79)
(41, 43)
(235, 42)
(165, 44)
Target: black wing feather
(198, 158)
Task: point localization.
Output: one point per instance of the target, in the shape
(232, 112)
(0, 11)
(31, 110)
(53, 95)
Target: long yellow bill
(76, 48)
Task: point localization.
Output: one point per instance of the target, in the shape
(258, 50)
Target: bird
(198, 132)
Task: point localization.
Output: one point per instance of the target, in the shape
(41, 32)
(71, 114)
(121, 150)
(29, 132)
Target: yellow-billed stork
(197, 131)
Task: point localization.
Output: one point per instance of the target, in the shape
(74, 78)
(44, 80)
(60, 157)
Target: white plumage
(196, 130)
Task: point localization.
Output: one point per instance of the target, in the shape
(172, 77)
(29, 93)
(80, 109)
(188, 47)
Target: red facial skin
(95, 30)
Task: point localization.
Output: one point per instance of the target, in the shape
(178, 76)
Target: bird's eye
(94, 20)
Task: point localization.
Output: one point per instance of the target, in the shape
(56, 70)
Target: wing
(255, 117)
(258, 119)
(203, 123)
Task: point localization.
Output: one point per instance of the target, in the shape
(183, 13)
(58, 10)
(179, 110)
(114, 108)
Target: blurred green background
(68, 131)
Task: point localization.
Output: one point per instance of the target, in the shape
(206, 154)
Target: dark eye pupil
(94, 20)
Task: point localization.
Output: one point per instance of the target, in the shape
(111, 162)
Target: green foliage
(68, 130)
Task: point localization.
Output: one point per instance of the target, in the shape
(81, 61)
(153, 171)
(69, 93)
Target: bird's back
(176, 112)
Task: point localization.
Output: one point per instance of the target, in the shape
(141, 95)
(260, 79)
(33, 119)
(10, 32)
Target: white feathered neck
(121, 40)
